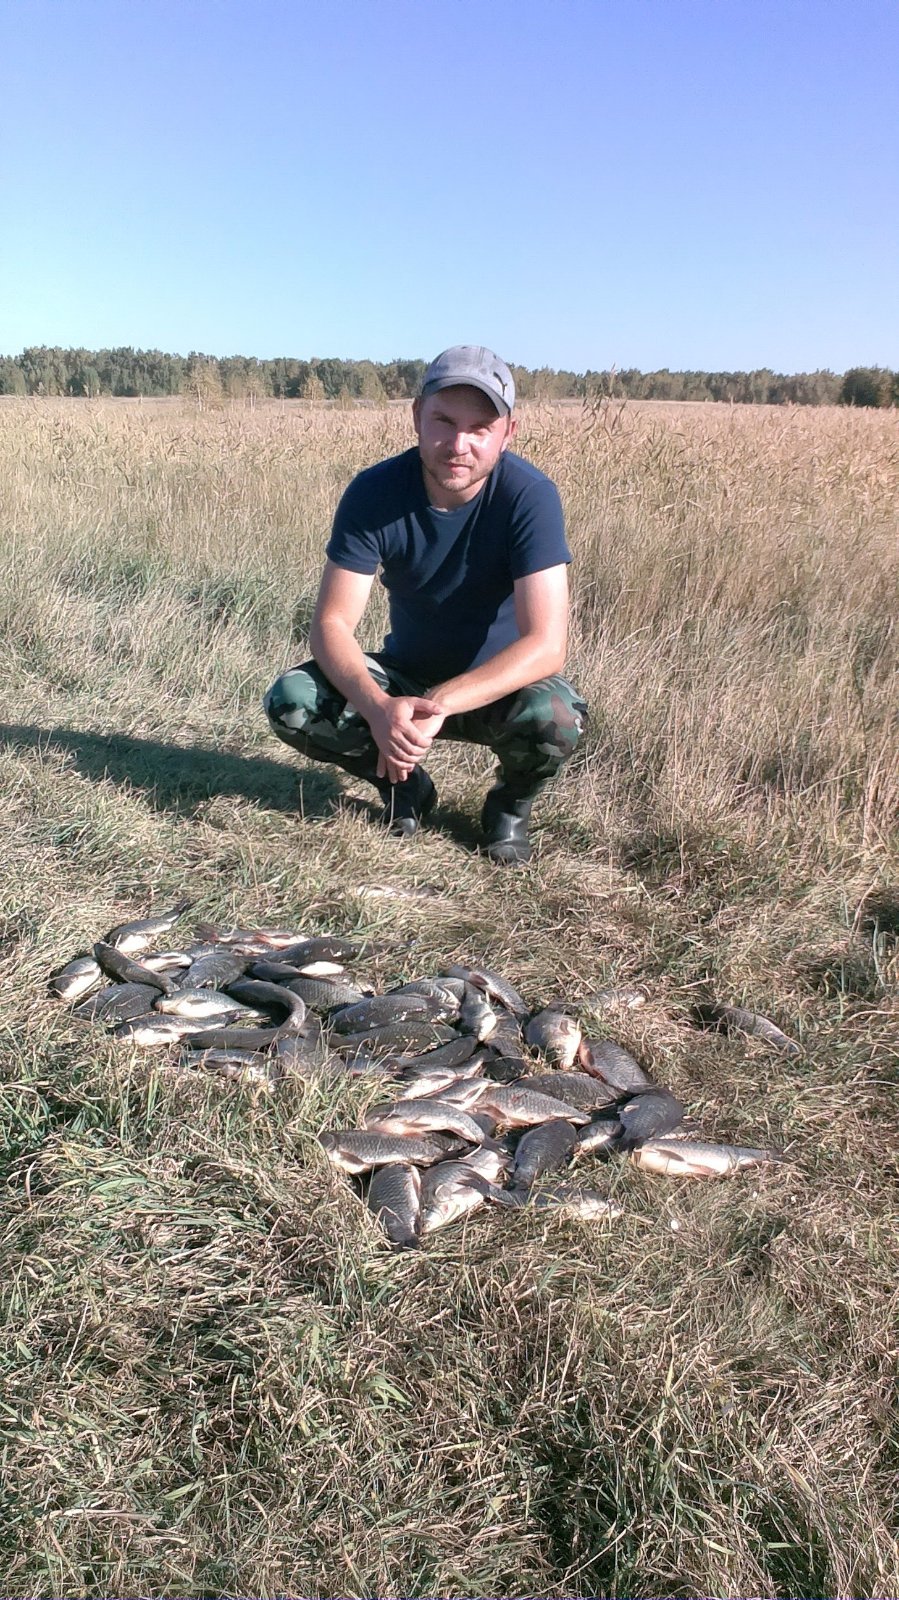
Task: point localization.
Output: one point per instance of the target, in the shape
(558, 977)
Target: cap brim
(502, 409)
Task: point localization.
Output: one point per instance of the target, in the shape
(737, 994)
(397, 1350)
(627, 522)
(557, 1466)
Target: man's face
(460, 439)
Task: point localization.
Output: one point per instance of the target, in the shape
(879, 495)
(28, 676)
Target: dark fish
(321, 953)
(117, 1002)
(118, 965)
(394, 1195)
(732, 1019)
(598, 1137)
(506, 1040)
(547, 1148)
(291, 1009)
(381, 1010)
(134, 936)
(506, 1069)
(450, 991)
(605, 1059)
(414, 1034)
(450, 1190)
(649, 1116)
(493, 984)
(697, 1158)
(556, 1035)
(76, 978)
(166, 960)
(476, 1014)
(608, 998)
(225, 1038)
(322, 994)
(453, 1054)
(578, 1088)
(358, 1151)
(218, 969)
(517, 1106)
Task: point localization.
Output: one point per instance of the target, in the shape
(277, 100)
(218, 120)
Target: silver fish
(285, 971)
(204, 1037)
(734, 1018)
(394, 1195)
(476, 1014)
(268, 938)
(76, 978)
(546, 1148)
(597, 1138)
(493, 984)
(356, 1151)
(166, 960)
(321, 952)
(516, 1106)
(252, 992)
(134, 936)
(556, 1035)
(506, 1038)
(452, 1189)
(381, 1010)
(154, 1031)
(578, 1205)
(118, 965)
(218, 969)
(422, 1116)
(489, 1160)
(605, 1059)
(578, 1088)
(326, 994)
(199, 1003)
(246, 1066)
(697, 1158)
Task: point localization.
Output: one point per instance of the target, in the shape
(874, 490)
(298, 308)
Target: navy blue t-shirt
(449, 574)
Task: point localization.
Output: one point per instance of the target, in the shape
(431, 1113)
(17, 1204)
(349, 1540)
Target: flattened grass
(216, 1379)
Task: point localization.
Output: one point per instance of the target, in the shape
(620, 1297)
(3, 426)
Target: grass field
(216, 1380)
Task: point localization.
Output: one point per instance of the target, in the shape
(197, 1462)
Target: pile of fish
(486, 1100)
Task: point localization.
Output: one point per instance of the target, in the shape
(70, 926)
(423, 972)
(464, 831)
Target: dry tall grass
(216, 1379)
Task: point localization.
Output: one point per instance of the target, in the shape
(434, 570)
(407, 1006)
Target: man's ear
(510, 433)
(416, 414)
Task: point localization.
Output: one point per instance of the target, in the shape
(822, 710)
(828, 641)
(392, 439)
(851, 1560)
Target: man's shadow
(181, 778)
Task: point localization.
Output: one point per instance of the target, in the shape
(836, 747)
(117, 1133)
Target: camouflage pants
(532, 731)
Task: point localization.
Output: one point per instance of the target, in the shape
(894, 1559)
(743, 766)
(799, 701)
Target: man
(471, 544)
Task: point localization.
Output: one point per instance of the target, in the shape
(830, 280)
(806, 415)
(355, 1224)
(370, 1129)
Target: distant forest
(43, 371)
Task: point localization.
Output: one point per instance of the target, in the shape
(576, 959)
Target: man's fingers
(381, 769)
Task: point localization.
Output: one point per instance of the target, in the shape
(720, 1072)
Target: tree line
(41, 370)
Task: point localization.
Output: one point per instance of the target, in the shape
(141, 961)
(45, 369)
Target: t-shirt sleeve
(537, 535)
(354, 544)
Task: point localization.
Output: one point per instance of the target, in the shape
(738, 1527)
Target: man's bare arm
(541, 611)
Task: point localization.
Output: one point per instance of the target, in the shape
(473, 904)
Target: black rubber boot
(504, 820)
(407, 804)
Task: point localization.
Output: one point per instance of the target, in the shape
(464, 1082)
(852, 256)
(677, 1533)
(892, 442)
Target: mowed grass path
(216, 1380)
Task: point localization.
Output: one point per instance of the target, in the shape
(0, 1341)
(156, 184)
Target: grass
(216, 1381)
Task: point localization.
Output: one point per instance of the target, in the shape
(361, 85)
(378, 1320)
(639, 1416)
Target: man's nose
(460, 444)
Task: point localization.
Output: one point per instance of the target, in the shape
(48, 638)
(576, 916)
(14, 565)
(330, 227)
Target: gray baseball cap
(473, 365)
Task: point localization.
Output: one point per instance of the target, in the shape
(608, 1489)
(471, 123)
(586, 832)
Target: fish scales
(131, 937)
(544, 1149)
(394, 1195)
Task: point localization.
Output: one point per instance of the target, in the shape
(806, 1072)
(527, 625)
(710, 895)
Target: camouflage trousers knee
(533, 731)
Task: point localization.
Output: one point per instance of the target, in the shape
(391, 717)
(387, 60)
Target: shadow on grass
(179, 778)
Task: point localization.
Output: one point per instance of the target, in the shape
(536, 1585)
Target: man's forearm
(340, 656)
(525, 661)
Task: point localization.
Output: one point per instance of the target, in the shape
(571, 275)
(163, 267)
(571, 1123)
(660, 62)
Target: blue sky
(576, 183)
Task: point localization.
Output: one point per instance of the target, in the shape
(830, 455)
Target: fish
(578, 1088)
(325, 994)
(607, 998)
(698, 1158)
(476, 1014)
(423, 1116)
(200, 1003)
(415, 1033)
(166, 960)
(321, 953)
(456, 1053)
(556, 1035)
(450, 1190)
(76, 978)
(422, 891)
(268, 938)
(493, 984)
(734, 1019)
(234, 1038)
(394, 1195)
(218, 969)
(597, 1137)
(605, 1059)
(357, 1151)
(489, 1159)
(578, 1205)
(254, 993)
(381, 1010)
(247, 1066)
(153, 1030)
(449, 991)
(299, 1049)
(517, 1106)
(506, 1039)
(117, 1003)
(546, 1148)
(506, 1069)
(132, 937)
(118, 965)
(649, 1116)
(464, 1093)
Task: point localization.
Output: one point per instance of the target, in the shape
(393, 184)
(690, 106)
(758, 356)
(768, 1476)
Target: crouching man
(470, 542)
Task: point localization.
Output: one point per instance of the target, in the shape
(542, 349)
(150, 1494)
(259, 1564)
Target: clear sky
(575, 183)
